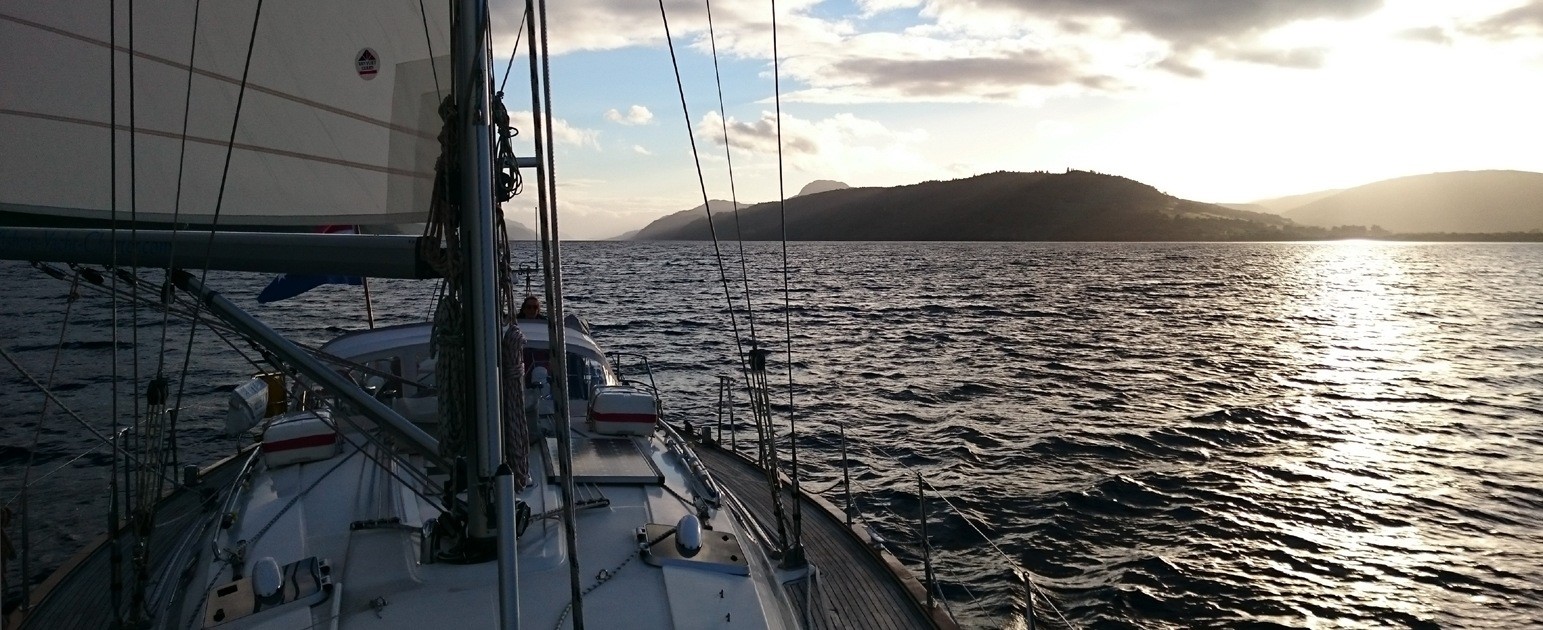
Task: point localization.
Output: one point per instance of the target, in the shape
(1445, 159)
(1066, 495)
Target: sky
(1210, 100)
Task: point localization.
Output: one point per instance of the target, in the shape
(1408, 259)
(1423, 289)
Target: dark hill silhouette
(1076, 205)
(1464, 201)
(670, 223)
(821, 185)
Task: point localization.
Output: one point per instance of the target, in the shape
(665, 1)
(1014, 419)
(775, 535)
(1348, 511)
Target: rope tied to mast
(444, 252)
(441, 250)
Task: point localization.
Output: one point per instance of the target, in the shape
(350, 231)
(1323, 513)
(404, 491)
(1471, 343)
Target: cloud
(1522, 21)
(874, 7)
(962, 50)
(563, 132)
(636, 115)
(579, 25)
(1181, 66)
(839, 146)
(991, 78)
(1427, 34)
(1304, 58)
(641, 150)
(1186, 31)
(760, 136)
(1183, 23)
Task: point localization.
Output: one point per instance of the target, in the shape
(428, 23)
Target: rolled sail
(338, 124)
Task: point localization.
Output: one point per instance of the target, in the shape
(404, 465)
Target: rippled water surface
(1167, 435)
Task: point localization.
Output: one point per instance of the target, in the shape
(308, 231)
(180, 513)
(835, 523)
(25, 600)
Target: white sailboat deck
(370, 526)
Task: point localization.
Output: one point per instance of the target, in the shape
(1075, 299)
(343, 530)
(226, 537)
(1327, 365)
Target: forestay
(338, 124)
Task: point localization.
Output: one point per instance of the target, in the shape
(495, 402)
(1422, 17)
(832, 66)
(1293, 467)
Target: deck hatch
(606, 460)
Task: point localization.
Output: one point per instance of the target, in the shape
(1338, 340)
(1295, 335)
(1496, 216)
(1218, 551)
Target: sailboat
(480, 469)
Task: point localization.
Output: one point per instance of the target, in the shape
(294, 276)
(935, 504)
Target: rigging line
(222, 331)
(428, 41)
(337, 111)
(251, 542)
(176, 209)
(555, 327)
(133, 225)
(723, 277)
(538, 111)
(380, 443)
(369, 310)
(139, 440)
(1028, 576)
(37, 481)
(787, 299)
(116, 554)
(421, 478)
(744, 361)
(37, 438)
(728, 154)
(219, 202)
(9, 358)
(518, 31)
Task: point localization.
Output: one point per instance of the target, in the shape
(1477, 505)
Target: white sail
(338, 125)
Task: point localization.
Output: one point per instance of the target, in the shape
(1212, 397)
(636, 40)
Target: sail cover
(338, 124)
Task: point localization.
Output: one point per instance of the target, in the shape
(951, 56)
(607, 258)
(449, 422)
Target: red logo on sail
(367, 63)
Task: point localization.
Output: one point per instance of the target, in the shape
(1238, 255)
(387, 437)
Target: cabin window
(584, 373)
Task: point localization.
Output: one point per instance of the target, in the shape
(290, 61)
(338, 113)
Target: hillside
(821, 185)
(1466, 201)
(1280, 205)
(1075, 205)
(670, 223)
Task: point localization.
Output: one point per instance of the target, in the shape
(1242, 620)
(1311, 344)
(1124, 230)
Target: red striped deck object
(623, 410)
(300, 437)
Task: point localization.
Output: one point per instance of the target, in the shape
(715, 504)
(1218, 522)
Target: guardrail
(1038, 609)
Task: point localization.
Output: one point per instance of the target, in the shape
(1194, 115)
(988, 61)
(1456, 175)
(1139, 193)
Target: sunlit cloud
(562, 131)
(1185, 24)
(1523, 21)
(874, 7)
(641, 150)
(1427, 34)
(843, 146)
(1304, 58)
(964, 50)
(636, 115)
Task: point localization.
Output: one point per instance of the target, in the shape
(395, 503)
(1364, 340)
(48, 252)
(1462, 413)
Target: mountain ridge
(1075, 205)
(1492, 201)
(1084, 205)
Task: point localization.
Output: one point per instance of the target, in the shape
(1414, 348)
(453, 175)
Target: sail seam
(220, 77)
(221, 143)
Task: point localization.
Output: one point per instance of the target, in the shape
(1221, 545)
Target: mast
(471, 75)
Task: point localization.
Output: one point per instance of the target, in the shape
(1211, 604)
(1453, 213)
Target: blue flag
(292, 284)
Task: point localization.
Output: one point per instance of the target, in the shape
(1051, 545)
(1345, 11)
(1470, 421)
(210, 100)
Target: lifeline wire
(219, 199)
(37, 438)
(787, 300)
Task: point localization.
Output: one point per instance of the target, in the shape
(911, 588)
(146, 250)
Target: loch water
(1178, 435)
